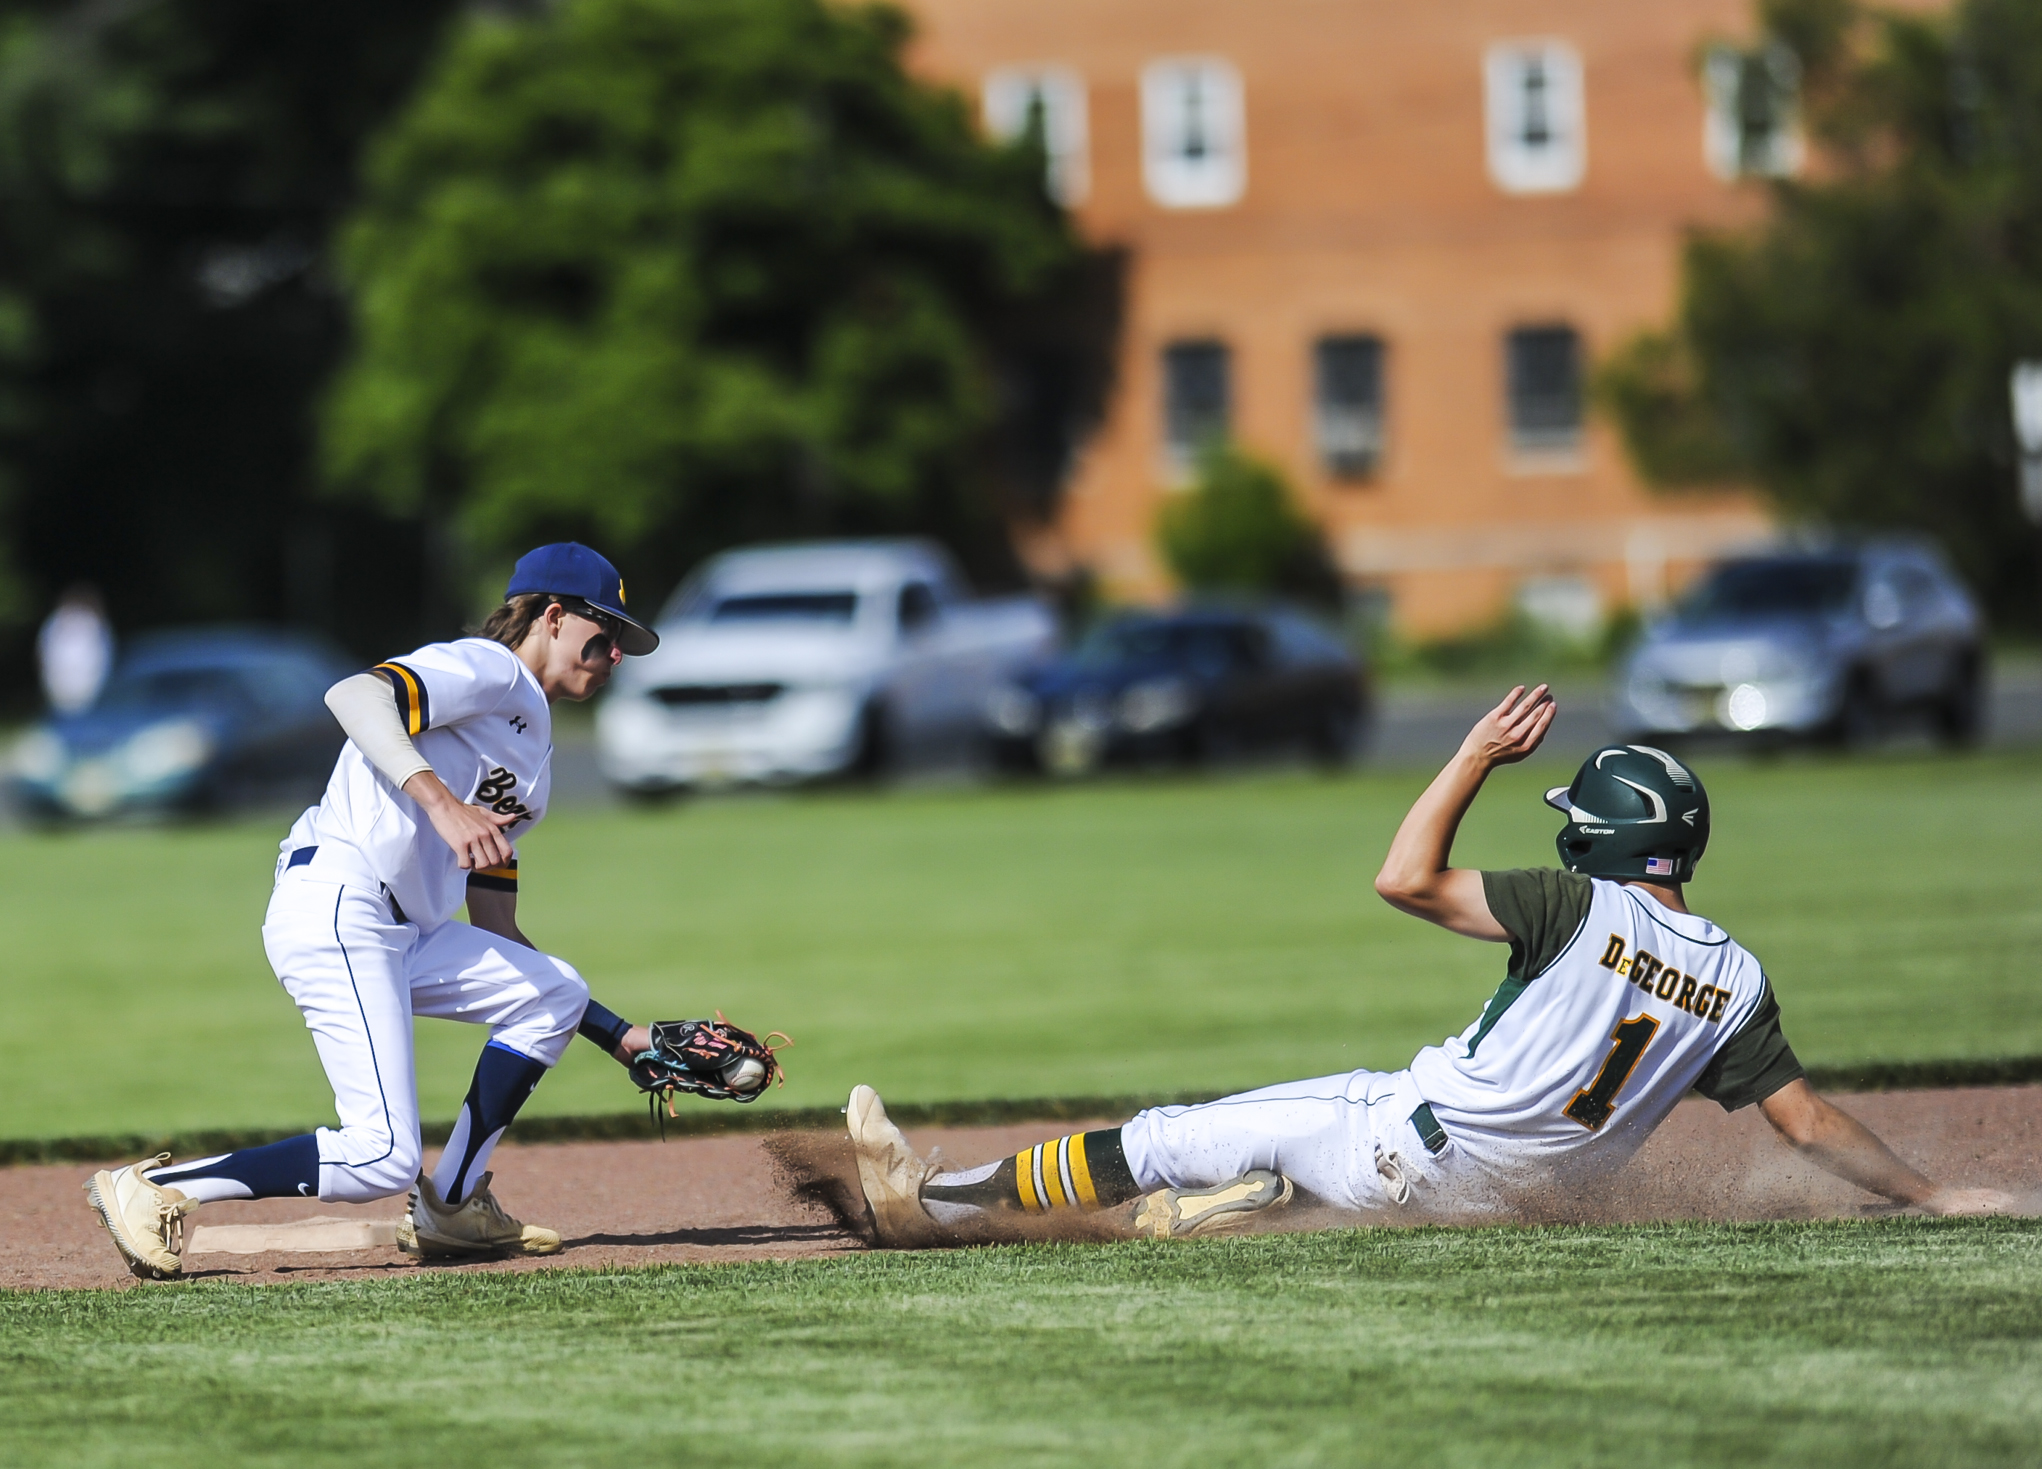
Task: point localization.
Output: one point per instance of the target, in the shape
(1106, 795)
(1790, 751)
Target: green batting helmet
(1632, 811)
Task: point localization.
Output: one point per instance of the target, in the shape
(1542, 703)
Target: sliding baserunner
(447, 766)
(1616, 1003)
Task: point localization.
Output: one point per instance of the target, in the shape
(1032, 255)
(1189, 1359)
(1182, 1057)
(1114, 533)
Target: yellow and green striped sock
(1085, 1170)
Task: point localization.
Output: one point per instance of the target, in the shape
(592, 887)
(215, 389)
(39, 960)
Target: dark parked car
(195, 718)
(1831, 643)
(1184, 685)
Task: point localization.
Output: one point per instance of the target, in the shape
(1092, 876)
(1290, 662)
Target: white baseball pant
(1348, 1140)
(359, 976)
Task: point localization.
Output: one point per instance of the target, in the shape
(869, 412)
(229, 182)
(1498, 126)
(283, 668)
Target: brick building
(1381, 243)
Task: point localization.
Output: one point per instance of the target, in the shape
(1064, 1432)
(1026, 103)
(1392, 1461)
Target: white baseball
(746, 1075)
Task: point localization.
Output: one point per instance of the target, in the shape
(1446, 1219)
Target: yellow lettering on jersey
(1686, 1001)
(1716, 1007)
(1645, 968)
(1668, 980)
(1613, 953)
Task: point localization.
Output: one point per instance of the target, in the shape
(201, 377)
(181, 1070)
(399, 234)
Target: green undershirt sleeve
(1541, 908)
(1752, 1064)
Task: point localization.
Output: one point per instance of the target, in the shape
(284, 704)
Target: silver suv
(1833, 642)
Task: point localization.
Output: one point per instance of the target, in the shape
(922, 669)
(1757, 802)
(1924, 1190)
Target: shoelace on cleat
(170, 1223)
(485, 1202)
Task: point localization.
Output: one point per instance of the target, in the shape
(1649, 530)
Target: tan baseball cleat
(146, 1222)
(1178, 1213)
(889, 1173)
(434, 1230)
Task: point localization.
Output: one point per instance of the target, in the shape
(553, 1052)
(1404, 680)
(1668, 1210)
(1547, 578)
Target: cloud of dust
(1702, 1164)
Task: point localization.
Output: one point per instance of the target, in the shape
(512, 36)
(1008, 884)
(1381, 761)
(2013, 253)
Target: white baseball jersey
(479, 716)
(1614, 1008)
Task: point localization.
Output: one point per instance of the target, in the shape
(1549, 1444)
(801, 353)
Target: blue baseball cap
(570, 569)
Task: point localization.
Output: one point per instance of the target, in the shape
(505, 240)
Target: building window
(1543, 373)
(1347, 404)
(1538, 141)
(1752, 124)
(1051, 101)
(1197, 401)
(1194, 139)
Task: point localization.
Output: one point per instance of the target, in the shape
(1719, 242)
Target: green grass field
(1015, 943)
(1137, 937)
(1902, 1342)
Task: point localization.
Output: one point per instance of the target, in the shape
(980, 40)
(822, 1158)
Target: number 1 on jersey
(1593, 1104)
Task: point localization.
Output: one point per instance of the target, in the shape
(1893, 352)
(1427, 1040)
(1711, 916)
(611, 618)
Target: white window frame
(1722, 122)
(1176, 91)
(1005, 100)
(1517, 163)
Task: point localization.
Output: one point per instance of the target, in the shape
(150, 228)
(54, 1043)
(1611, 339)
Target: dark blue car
(1187, 685)
(197, 718)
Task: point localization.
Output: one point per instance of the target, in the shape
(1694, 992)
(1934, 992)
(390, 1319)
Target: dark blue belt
(304, 855)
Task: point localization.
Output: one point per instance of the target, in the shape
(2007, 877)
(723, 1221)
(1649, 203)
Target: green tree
(1850, 357)
(1237, 529)
(170, 171)
(671, 274)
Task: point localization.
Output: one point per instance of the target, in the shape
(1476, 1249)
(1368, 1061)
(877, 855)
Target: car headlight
(165, 751)
(1744, 707)
(1155, 703)
(1012, 710)
(39, 756)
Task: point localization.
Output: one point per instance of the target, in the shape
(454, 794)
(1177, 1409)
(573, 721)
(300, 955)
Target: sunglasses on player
(603, 646)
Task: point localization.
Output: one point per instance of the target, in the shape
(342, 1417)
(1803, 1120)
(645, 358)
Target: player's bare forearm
(1417, 876)
(496, 912)
(1846, 1147)
(477, 836)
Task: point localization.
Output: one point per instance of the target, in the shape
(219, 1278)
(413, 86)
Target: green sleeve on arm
(1541, 908)
(1754, 1063)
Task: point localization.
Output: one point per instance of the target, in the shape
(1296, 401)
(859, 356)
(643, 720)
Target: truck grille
(716, 695)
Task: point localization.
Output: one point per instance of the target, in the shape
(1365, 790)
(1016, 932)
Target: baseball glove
(710, 1058)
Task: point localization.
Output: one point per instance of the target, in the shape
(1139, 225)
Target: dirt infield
(768, 1196)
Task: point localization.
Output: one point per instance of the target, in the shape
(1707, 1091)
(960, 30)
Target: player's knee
(566, 991)
(393, 1171)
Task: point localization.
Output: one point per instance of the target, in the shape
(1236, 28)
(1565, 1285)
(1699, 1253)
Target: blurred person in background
(75, 649)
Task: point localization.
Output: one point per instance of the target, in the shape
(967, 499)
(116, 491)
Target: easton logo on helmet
(1633, 811)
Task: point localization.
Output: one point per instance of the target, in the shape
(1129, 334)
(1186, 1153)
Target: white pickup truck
(787, 663)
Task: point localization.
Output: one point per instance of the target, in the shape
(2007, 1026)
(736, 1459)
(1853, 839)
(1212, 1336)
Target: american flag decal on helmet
(1658, 867)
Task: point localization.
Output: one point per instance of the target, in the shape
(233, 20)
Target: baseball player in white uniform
(1616, 1003)
(446, 768)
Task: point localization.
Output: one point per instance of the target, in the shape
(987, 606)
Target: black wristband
(604, 1027)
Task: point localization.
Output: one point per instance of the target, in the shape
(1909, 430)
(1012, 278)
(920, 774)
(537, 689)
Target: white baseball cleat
(889, 1173)
(1178, 1213)
(145, 1220)
(434, 1230)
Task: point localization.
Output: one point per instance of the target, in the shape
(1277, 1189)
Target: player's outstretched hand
(1969, 1201)
(1513, 729)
